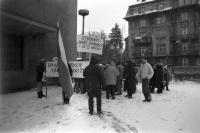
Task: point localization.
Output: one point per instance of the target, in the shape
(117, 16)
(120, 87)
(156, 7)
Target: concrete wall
(42, 45)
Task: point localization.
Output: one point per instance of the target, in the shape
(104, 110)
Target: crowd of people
(111, 76)
(115, 78)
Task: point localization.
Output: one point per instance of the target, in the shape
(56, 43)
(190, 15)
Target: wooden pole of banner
(46, 87)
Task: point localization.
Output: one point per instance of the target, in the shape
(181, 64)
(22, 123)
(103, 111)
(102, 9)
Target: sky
(103, 15)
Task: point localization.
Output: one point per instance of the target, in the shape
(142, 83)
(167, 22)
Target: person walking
(111, 80)
(129, 75)
(166, 76)
(119, 78)
(40, 69)
(94, 84)
(145, 72)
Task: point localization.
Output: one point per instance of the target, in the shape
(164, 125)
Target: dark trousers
(91, 101)
(119, 86)
(110, 89)
(145, 88)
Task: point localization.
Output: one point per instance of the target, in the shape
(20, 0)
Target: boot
(39, 95)
(42, 95)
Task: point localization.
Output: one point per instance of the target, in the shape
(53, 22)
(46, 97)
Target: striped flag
(64, 75)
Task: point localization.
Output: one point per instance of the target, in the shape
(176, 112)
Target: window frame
(141, 10)
(142, 23)
(184, 31)
(163, 6)
(184, 62)
(184, 16)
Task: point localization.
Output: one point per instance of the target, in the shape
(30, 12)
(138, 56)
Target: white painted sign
(89, 44)
(77, 68)
(51, 69)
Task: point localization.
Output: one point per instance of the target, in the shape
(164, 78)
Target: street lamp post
(83, 12)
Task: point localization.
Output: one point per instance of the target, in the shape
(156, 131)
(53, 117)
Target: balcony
(161, 54)
(142, 40)
(142, 54)
(188, 52)
(185, 37)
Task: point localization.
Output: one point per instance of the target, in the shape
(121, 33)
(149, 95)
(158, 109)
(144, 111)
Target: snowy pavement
(175, 111)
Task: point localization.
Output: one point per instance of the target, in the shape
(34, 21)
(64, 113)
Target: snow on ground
(170, 112)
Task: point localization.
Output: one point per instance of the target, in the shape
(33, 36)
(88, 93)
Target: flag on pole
(63, 70)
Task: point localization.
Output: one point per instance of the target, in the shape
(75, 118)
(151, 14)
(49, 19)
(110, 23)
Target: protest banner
(51, 69)
(77, 68)
(89, 44)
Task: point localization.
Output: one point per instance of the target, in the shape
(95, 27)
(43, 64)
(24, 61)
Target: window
(160, 33)
(187, 2)
(184, 16)
(184, 30)
(161, 48)
(133, 25)
(142, 34)
(184, 24)
(198, 61)
(143, 49)
(161, 20)
(12, 52)
(184, 61)
(131, 11)
(141, 10)
(142, 23)
(160, 7)
(185, 47)
(181, 2)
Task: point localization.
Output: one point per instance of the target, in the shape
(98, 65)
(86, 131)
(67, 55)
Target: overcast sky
(103, 14)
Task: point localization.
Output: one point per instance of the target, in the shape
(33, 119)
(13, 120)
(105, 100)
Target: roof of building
(141, 2)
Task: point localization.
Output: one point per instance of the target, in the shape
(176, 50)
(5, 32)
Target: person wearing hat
(40, 69)
(145, 72)
(129, 76)
(94, 84)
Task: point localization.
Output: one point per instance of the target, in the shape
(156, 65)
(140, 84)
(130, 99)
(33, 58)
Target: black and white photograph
(99, 66)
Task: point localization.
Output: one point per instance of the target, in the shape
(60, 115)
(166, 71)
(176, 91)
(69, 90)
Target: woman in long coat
(129, 76)
(159, 78)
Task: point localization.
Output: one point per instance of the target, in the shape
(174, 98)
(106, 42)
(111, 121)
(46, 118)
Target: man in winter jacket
(40, 69)
(129, 76)
(145, 72)
(111, 80)
(94, 83)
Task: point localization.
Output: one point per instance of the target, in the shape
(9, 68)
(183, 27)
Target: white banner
(89, 44)
(51, 69)
(77, 68)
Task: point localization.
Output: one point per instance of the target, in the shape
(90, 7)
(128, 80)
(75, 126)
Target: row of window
(161, 6)
(186, 2)
(142, 10)
(185, 61)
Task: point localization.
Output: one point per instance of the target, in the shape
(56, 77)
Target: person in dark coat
(166, 76)
(151, 83)
(129, 76)
(40, 69)
(159, 78)
(94, 83)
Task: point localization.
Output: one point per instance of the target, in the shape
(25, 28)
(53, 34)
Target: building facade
(28, 33)
(166, 31)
